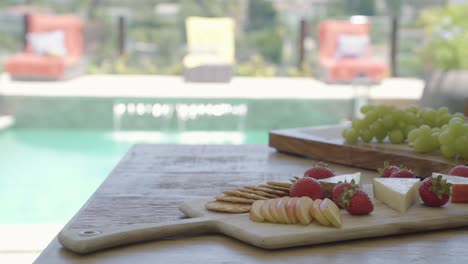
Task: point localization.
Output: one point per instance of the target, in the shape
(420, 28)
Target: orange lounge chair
(31, 65)
(345, 53)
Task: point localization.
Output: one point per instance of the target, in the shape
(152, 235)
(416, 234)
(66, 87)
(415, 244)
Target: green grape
(408, 129)
(445, 138)
(456, 119)
(443, 110)
(425, 143)
(465, 128)
(447, 151)
(357, 124)
(401, 125)
(461, 144)
(429, 117)
(410, 118)
(425, 130)
(413, 134)
(344, 132)
(378, 130)
(443, 119)
(413, 109)
(366, 135)
(459, 115)
(351, 135)
(386, 110)
(455, 129)
(371, 117)
(388, 122)
(396, 136)
(380, 110)
(398, 115)
(366, 108)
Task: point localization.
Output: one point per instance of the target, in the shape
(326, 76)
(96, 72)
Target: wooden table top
(151, 180)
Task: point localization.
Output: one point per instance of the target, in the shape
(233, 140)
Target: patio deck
(146, 86)
(12, 246)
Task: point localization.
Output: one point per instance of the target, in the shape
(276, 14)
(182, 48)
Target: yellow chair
(211, 49)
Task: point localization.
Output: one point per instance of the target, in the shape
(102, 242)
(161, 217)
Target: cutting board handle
(88, 240)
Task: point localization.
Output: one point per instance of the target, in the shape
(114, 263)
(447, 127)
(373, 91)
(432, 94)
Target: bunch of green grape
(453, 139)
(424, 129)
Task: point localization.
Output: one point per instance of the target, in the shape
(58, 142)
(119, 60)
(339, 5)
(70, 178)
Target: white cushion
(48, 43)
(352, 46)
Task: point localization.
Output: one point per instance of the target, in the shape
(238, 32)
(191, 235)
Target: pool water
(47, 175)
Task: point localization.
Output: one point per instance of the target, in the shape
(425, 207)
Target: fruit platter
(424, 139)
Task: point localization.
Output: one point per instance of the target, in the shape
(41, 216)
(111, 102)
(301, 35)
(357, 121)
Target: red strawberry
(319, 171)
(387, 170)
(338, 190)
(306, 187)
(460, 170)
(357, 202)
(402, 173)
(434, 192)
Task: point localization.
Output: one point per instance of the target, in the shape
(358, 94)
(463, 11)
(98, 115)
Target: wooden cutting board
(326, 143)
(382, 222)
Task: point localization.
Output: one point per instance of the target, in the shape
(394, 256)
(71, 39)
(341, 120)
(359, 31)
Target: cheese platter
(237, 219)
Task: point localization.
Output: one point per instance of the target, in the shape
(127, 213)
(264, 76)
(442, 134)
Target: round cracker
(245, 195)
(267, 190)
(227, 207)
(264, 194)
(278, 188)
(280, 184)
(234, 199)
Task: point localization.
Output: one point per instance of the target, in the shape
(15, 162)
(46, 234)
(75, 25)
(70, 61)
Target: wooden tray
(326, 143)
(382, 221)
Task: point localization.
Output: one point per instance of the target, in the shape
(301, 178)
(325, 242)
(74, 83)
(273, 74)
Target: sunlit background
(74, 99)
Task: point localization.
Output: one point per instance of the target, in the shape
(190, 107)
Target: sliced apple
(255, 211)
(315, 212)
(265, 210)
(331, 212)
(273, 211)
(281, 209)
(291, 210)
(303, 206)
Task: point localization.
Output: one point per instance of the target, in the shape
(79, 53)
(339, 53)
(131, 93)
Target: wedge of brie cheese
(398, 193)
(451, 179)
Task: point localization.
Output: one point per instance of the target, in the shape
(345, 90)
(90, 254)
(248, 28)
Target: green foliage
(262, 30)
(122, 65)
(360, 7)
(446, 29)
(256, 66)
(393, 7)
(261, 15)
(269, 43)
(295, 72)
(341, 8)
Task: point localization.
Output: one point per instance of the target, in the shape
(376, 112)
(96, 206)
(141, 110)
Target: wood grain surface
(326, 143)
(162, 176)
(383, 221)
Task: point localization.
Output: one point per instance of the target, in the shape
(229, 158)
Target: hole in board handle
(90, 233)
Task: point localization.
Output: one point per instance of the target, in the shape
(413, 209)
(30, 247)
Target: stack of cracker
(240, 200)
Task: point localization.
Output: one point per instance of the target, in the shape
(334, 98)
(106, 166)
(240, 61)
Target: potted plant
(445, 56)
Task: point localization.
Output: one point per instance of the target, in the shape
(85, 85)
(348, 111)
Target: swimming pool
(61, 148)
(47, 175)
